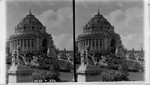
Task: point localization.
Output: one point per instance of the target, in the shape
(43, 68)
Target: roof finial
(98, 12)
(30, 12)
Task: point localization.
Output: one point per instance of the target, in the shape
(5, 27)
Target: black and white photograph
(110, 39)
(80, 41)
(39, 41)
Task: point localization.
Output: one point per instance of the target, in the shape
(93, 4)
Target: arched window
(113, 43)
(101, 28)
(113, 46)
(24, 28)
(44, 45)
(32, 27)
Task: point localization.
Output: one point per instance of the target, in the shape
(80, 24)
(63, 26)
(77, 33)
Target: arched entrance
(113, 45)
(44, 45)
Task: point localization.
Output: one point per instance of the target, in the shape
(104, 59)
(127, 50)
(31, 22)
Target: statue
(119, 50)
(51, 51)
(17, 58)
(87, 58)
(83, 58)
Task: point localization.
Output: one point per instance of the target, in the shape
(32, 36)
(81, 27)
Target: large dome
(30, 24)
(29, 20)
(98, 23)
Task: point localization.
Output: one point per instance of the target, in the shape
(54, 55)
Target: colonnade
(25, 44)
(93, 43)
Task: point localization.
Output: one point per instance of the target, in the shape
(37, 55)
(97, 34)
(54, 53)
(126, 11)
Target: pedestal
(19, 73)
(89, 73)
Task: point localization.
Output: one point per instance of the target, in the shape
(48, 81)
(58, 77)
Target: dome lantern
(98, 12)
(30, 13)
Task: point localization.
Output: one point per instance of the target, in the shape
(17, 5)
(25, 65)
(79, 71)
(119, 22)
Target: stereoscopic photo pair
(75, 41)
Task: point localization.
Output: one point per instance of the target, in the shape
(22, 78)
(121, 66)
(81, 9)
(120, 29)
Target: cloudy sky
(56, 15)
(126, 16)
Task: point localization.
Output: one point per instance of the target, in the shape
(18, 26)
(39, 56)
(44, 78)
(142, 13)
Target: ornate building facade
(100, 36)
(31, 36)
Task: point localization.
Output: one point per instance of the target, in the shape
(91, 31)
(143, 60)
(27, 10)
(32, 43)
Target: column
(34, 44)
(102, 44)
(85, 43)
(91, 43)
(10, 44)
(105, 44)
(79, 44)
(30, 43)
(99, 44)
(95, 43)
(20, 43)
(13, 44)
(82, 44)
(88, 43)
(17, 43)
(27, 44)
(37, 43)
(23, 44)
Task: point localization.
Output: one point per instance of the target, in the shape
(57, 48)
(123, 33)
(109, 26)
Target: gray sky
(126, 16)
(56, 15)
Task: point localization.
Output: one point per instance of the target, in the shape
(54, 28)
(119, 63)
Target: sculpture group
(88, 58)
(18, 58)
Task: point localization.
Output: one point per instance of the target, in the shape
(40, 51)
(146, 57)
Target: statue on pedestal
(17, 58)
(88, 67)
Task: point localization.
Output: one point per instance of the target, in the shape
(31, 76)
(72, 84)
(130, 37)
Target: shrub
(115, 76)
(65, 66)
(134, 66)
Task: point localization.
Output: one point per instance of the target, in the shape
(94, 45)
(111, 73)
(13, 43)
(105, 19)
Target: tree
(47, 63)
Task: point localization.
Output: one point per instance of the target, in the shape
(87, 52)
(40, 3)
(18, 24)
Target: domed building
(31, 36)
(100, 36)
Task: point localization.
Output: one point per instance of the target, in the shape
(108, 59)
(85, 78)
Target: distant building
(135, 55)
(31, 36)
(100, 36)
(65, 54)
